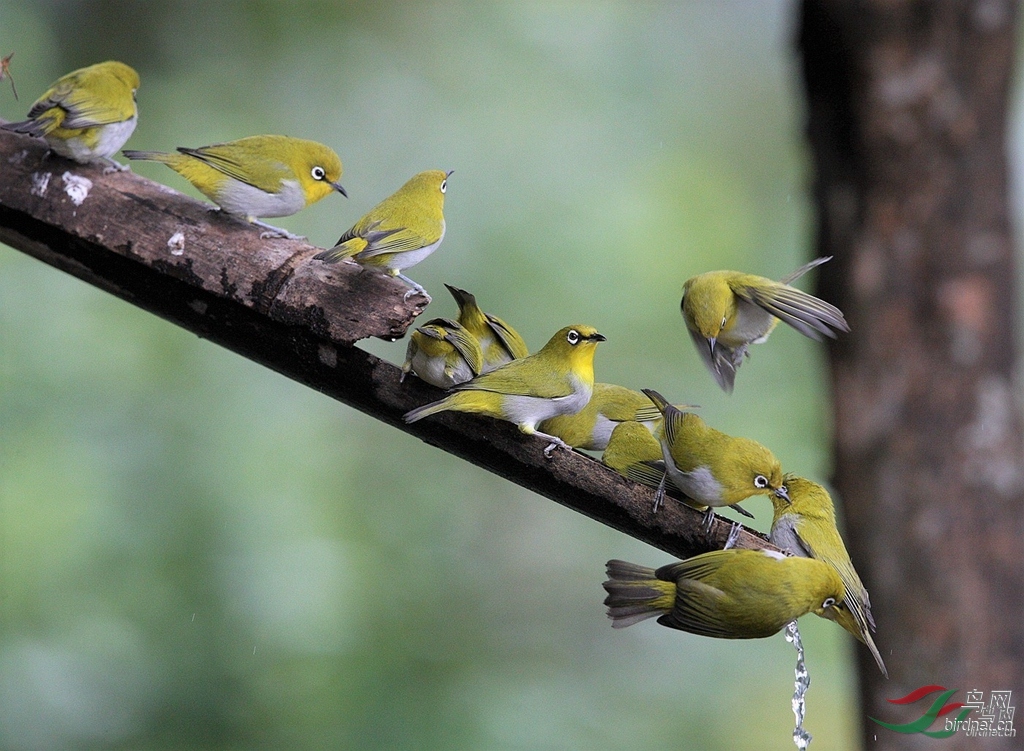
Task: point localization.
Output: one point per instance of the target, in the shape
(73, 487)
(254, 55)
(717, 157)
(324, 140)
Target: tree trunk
(907, 106)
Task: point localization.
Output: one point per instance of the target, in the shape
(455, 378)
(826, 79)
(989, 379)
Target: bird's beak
(449, 173)
(595, 337)
(783, 492)
(337, 187)
(712, 341)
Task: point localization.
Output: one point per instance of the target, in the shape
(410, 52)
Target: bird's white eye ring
(724, 319)
(444, 185)
(760, 481)
(829, 602)
(573, 337)
(318, 173)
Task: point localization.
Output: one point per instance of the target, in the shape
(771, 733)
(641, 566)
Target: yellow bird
(400, 231)
(556, 380)
(499, 342)
(591, 428)
(257, 176)
(709, 466)
(632, 445)
(86, 115)
(805, 525)
(726, 594)
(442, 353)
(634, 452)
(727, 311)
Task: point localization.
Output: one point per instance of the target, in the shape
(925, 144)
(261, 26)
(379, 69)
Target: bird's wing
(231, 159)
(806, 313)
(85, 106)
(647, 473)
(694, 609)
(514, 380)
(508, 336)
(464, 343)
(385, 241)
(790, 278)
(673, 423)
(812, 539)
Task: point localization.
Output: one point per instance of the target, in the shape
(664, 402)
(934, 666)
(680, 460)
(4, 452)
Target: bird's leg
(416, 287)
(114, 166)
(555, 441)
(709, 520)
(734, 534)
(659, 493)
(272, 231)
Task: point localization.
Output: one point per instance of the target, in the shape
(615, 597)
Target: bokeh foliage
(197, 553)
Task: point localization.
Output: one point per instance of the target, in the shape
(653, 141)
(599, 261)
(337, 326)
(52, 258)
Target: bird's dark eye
(723, 321)
(573, 337)
(444, 185)
(829, 602)
(318, 173)
(760, 481)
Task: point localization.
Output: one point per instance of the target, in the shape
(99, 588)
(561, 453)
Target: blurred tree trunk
(907, 115)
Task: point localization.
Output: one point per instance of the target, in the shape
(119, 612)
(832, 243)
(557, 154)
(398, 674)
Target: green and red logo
(938, 708)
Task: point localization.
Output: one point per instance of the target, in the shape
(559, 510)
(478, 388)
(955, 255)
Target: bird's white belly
(699, 484)
(433, 370)
(783, 535)
(753, 324)
(242, 199)
(602, 432)
(405, 259)
(530, 410)
(110, 138)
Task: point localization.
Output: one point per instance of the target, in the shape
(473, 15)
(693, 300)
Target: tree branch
(268, 301)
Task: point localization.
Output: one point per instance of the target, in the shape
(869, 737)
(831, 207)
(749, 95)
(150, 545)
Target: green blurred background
(198, 553)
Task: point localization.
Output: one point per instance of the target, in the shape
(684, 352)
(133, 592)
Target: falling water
(801, 737)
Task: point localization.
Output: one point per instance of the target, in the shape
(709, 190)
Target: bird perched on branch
(86, 115)
(805, 525)
(400, 231)
(499, 342)
(709, 466)
(727, 594)
(591, 428)
(443, 353)
(557, 380)
(634, 452)
(257, 176)
(727, 311)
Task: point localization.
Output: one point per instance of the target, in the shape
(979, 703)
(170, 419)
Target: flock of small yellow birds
(485, 366)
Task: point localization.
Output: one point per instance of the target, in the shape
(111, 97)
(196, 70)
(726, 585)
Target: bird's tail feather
(148, 156)
(341, 252)
(37, 127)
(635, 594)
(427, 410)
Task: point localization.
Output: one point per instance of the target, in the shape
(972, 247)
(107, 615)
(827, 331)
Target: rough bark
(907, 122)
(270, 302)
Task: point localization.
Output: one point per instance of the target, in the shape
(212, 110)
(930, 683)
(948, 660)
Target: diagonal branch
(270, 302)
